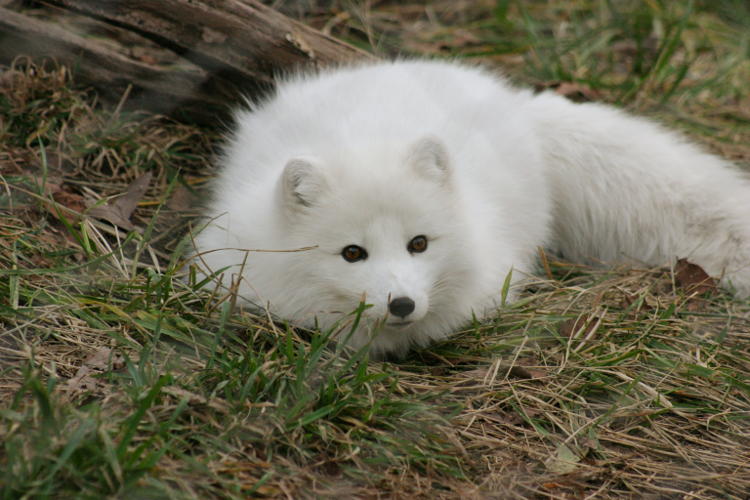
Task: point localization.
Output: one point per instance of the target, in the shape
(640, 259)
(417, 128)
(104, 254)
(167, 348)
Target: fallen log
(250, 39)
(156, 88)
(222, 48)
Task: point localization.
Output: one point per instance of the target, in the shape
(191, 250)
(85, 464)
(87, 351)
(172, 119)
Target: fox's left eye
(418, 244)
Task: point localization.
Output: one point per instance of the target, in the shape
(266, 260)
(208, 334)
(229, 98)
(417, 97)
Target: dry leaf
(55, 188)
(68, 199)
(525, 372)
(82, 381)
(564, 461)
(52, 184)
(181, 199)
(577, 92)
(98, 362)
(10, 78)
(693, 279)
(101, 358)
(119, 211)
(628, 299)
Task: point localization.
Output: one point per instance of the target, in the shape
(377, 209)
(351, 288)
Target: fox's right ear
(302, 184)
(430, 159)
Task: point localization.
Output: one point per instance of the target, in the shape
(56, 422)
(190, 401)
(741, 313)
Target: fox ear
(430, 159)
(302, 183)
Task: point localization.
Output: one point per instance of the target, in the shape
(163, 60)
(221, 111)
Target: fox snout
(401, 307)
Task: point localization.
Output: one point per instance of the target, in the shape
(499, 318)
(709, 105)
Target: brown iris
(418, 244)
(353, 253)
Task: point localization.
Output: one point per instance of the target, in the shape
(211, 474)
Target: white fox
(418, 187)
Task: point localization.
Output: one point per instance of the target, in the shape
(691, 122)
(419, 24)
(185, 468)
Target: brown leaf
(82, 381)
(628, 299)
(98, 362)
(62, 194)
(119, 211)
(577, 92)
(10, 79)
(101, 358)
(68, 199)
(526, 372)
(52, 184)
(693, 279)
(181, 199)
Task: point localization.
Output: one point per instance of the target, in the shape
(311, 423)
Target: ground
(120, 379)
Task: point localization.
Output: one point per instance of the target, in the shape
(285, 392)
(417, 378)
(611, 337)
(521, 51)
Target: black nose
(401, 306)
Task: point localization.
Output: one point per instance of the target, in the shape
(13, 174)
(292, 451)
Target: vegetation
(120, 379)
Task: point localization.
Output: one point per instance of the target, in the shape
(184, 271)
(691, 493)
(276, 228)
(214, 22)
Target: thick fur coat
(418, 187)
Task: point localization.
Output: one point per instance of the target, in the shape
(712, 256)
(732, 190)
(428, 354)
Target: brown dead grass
(597, 384)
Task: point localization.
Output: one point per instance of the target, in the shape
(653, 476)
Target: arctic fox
(417, 187)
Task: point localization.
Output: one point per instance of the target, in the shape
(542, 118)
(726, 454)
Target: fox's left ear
(430, 159)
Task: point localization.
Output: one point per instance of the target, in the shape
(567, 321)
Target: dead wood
(221, 47)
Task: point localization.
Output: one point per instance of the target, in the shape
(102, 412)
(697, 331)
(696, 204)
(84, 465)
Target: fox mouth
(400, 324)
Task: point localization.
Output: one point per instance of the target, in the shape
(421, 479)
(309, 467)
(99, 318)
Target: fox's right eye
(353, 253)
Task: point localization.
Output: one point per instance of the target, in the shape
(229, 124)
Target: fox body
(419, 187)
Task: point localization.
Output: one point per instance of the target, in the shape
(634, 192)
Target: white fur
(376, 155)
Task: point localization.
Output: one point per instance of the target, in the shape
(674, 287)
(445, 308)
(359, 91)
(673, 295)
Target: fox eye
(418, 244)
(353, 253)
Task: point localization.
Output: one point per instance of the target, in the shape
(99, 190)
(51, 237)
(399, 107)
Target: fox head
(389, 233)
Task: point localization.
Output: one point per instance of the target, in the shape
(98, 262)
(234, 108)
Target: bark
(227, 47)
(159, 89)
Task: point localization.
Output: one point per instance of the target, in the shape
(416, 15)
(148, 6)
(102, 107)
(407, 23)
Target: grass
(119, 379)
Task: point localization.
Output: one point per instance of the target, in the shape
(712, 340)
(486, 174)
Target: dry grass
(120, 380)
